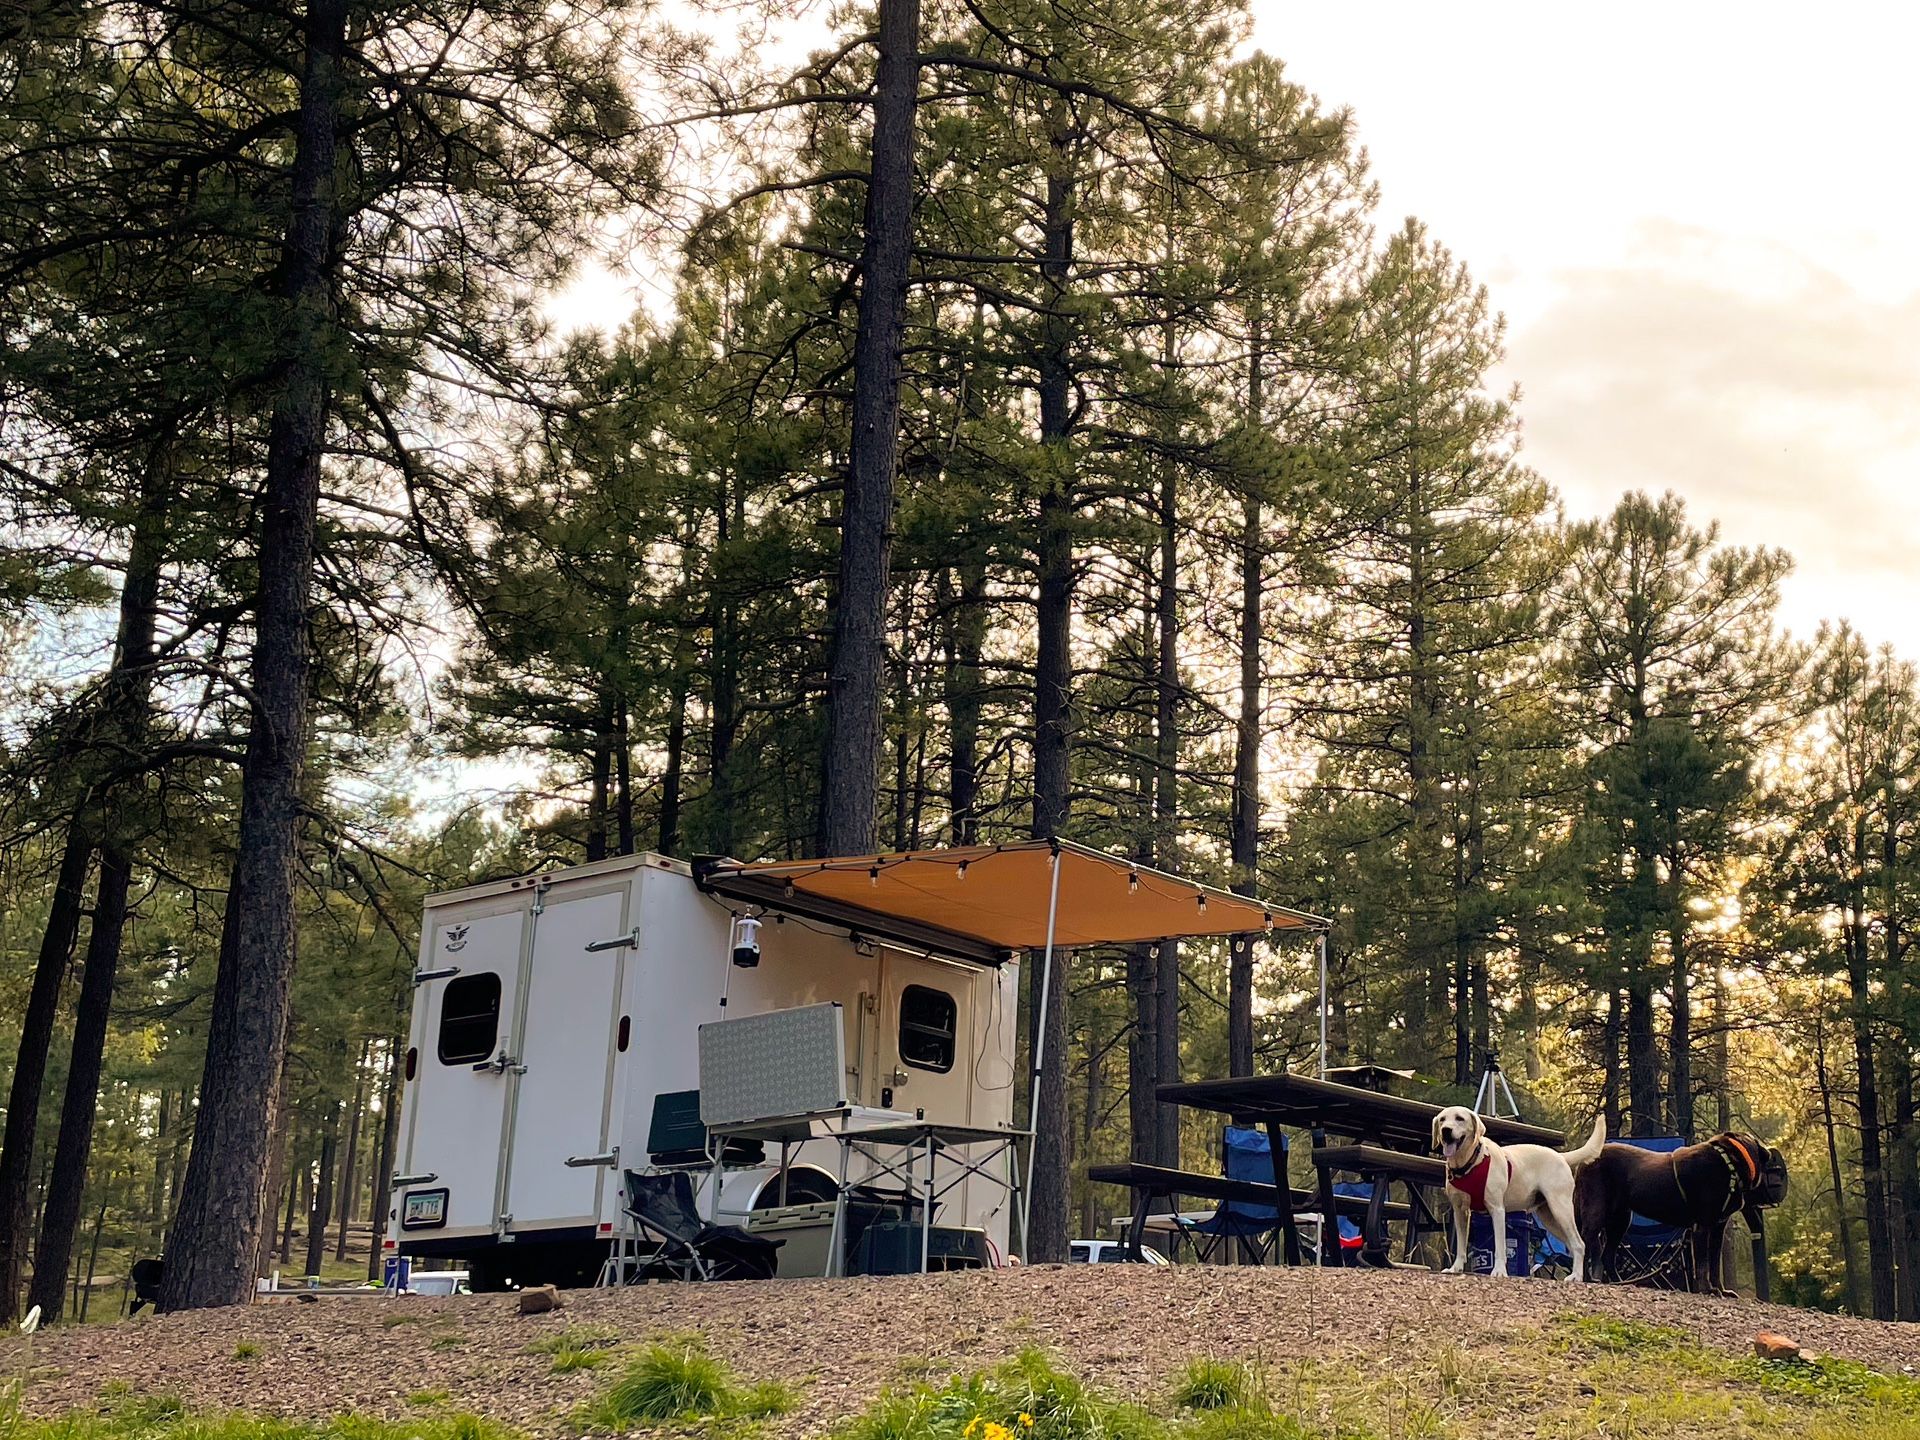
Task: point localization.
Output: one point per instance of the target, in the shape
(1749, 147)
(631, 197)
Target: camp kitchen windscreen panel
(763, 1067)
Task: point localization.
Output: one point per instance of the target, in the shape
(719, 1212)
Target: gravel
(840, 1342)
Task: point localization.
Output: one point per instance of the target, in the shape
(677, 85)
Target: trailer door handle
(581, 1162)
(619, 942)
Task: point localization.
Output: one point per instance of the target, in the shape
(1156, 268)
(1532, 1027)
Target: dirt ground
(840, 1342)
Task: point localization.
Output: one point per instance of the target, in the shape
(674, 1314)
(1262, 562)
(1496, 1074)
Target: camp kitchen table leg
(836, 1261)
(1329, 1217)
(926, 1210)
(1289, 1234)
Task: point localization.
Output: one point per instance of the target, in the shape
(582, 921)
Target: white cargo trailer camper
(553, 1011)
(556, 1043)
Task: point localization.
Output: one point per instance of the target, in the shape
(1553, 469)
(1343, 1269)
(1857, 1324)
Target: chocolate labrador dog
(1701, 1186)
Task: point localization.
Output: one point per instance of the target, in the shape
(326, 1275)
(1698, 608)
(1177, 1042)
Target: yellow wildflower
(1026, 1421)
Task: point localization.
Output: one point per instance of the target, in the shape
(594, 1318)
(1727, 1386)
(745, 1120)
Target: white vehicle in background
(1111, 1252)
(554, 1046)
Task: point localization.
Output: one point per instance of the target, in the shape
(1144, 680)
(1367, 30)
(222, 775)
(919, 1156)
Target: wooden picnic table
(1394, 1136)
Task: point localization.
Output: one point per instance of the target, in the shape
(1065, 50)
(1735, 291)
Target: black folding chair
(662, 1209)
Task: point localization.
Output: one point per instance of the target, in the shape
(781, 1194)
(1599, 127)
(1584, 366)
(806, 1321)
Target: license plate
(423, 1210)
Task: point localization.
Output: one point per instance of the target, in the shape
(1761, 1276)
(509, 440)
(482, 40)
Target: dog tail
(1591, 1150)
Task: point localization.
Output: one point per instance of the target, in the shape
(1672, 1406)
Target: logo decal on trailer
(456, 939)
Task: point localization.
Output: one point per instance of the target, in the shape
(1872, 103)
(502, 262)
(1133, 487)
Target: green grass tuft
(677, 1382)
(575, 1350)
(428, 1399)
(1209, 1384)
(247, 1350)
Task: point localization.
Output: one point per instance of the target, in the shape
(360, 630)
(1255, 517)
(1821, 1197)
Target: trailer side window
(928, 1018)
(469, 1018)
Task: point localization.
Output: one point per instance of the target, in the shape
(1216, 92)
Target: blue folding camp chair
(1246, 1154)
(1525, 1239)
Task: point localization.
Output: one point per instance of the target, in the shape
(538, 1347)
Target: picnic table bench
(1392, 1132)
(1154, 1182)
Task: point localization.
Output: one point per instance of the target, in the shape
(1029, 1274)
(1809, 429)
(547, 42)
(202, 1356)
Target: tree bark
(1873, 1177)
(344, 1219)
(379, 1191)
(66, 1187)
(126, 696)
(321, 1214)
(622, 778)
(1843, 1224)
(671, 777)
(30, 1064)
(1053, 690)
(849, 776)
(601, 773)
(216, 1230)
(1680, 1025)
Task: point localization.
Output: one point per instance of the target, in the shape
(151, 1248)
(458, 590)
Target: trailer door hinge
(426, 1178)
(619, 942)
(445, 972)
(501, 1064)
(581, 1162)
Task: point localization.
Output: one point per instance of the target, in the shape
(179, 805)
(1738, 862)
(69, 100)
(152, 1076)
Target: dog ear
(1433, 1132)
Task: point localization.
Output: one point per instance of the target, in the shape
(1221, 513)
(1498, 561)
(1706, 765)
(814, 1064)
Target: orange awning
(987, 900)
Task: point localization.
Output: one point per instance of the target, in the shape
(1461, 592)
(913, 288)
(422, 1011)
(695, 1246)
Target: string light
(1203, 904)
(1133, 882)
(961, 873)
(1267, 916)
(873, 876)
(789, 890)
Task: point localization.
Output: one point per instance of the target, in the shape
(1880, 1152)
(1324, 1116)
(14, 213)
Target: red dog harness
(1472, 1182)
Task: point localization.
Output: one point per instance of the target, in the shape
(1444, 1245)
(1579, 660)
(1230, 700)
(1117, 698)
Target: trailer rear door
(564, 1092)
(457, 1097)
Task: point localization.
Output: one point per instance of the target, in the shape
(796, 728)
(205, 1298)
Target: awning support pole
(1040, 1041)
(1322, 945)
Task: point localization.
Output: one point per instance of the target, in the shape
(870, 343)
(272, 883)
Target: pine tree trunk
(30, 1063)
(968, 630)
(1245, 846)
(380, 1190)
(1166, 1031)
(66, 1187)
(321, 1214)
(1143, 1054)
(1053, 689)
(671, 777)
(849, 776)
(216, 1230)
(622, 778)
(1680, 1027)
(1843, 1224)
(1643, 1060)
(601, 785)
(126, 695)
(358, 1108)
(1610, 1062)
(1873, 1178)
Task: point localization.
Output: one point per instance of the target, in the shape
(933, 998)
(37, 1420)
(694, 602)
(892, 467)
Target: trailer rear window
(927, 1023)
(469, 1018)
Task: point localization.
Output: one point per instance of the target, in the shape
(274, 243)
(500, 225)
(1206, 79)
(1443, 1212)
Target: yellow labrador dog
(1483, 1175)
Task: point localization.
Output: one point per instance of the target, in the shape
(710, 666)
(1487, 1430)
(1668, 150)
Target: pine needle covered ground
(1087, 1353)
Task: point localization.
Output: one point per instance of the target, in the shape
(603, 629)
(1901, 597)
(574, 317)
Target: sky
(1702, 222)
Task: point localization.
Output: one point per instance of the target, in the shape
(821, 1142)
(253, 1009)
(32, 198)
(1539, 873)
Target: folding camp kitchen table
(884, 1143)
(901, 1149)
(1394, 1135)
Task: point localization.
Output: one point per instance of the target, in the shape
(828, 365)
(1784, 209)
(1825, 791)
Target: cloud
(1777, 398)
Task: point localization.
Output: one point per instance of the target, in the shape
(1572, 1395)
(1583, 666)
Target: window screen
(927, 1020)
(469, 1018)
